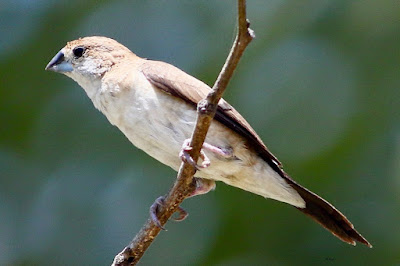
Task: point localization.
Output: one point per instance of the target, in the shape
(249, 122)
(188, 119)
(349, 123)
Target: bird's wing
(180, 84)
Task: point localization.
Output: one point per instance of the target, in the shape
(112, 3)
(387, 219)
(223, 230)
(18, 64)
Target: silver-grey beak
(58, 64)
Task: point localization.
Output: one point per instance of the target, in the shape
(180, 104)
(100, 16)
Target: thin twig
(185, 184)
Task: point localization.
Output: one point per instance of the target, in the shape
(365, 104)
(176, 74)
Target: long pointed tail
(327, 215)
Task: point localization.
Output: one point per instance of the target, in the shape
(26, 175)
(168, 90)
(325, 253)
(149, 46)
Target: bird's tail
(327, 215)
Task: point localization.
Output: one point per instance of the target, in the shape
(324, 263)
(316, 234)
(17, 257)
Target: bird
(153, 104)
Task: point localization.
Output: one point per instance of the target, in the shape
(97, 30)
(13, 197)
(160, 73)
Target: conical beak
(58, 64)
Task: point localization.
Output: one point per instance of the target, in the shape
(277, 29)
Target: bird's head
(86, 60)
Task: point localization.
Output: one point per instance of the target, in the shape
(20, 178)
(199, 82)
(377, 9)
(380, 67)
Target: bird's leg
(203, 186)
(185, 156)
(226, 153)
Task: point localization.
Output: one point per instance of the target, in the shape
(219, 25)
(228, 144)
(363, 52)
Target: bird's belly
(159, 124)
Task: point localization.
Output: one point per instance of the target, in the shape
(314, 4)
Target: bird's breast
(152, 120)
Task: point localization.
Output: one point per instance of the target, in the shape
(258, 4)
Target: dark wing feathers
(179, 84)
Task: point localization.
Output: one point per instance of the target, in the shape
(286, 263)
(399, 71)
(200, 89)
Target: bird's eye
(78, 51)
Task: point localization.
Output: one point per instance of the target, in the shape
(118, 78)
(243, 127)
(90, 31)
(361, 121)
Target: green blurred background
(320, 84)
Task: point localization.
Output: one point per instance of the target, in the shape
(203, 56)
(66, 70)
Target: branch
(185, 184)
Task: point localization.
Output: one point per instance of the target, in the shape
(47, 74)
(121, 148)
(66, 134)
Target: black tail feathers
(327, 215)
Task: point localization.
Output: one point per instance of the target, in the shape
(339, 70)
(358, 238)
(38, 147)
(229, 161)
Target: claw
(155, 208)
(226, 153)
(185, 156)
(182, 215)
(206, 161)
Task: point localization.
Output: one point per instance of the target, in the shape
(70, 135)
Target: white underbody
(158, 124)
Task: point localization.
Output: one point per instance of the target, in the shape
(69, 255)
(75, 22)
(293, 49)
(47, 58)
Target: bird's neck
(91, 86)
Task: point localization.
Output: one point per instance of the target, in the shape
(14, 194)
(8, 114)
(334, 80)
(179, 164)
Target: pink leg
(227, 153)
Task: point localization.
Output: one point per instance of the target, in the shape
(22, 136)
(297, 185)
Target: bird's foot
(154, 209)
(185, 156)
(203, 186)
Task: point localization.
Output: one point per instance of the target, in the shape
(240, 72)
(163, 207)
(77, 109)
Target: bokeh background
(320, 84)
